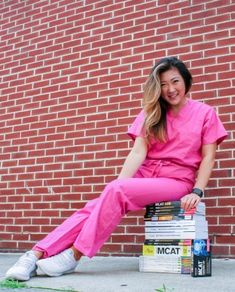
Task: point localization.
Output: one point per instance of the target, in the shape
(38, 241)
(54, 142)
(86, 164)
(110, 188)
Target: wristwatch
(198, 192)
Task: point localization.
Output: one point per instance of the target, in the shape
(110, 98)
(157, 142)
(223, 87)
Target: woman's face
(173, 88)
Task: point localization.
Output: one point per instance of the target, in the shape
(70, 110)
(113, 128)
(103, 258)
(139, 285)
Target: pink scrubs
(168, 173)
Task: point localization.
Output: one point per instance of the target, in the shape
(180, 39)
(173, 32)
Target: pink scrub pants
(88, 229)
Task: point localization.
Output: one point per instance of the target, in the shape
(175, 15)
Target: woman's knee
(119, 184)
(114, 185)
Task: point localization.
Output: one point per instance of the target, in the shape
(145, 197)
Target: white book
(177, 235)
(153, 264)
(175, 229)
(175, 223)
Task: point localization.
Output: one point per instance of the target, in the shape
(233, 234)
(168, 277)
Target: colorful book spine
(169, 217)
(168, 251)
(168, 242)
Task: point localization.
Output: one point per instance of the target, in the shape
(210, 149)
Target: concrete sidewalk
(120, 274)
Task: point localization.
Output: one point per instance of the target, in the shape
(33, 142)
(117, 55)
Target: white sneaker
(24, 268)
(57, 265)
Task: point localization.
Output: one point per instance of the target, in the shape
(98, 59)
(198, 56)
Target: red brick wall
(71, 83)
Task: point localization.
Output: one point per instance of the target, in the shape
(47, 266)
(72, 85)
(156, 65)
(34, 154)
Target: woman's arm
(134, 159)
(204, 172)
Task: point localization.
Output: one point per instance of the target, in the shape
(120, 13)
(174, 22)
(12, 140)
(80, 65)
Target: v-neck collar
(181, 112)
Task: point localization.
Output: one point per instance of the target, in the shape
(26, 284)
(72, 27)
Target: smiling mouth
(172, 96)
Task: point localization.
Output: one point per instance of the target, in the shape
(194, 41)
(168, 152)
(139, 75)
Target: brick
(105, 155)
(133, 248)
(104, 171)
(217, 19)
(122, 238)
(222, 228)
(216, 35)
(111, 248)
(225, 239)
(35, 238)
(226, 92)
(220, 250)
(8, 245)
(13, 229)
(217, 3)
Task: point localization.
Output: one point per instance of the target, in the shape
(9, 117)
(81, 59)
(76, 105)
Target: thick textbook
(201, 258)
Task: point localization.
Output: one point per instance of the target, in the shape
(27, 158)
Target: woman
(175, 141)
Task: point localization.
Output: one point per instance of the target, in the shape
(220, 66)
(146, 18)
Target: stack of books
(176, 241)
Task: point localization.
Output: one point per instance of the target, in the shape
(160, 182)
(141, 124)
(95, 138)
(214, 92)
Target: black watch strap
(198, 192)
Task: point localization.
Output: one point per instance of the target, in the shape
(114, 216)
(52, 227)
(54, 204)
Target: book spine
(182, 235)
(169, 251)
(165, 211)
(170, 230)
(168, 203)
(154, 264)
(168, 242)
(151, 213)
(159, 209)
(176, 223)
(172, 217)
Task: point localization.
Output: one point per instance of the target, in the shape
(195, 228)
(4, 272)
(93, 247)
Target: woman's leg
(63, 236)
(118, 198)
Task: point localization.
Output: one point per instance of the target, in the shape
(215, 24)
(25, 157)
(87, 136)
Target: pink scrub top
(179, 157)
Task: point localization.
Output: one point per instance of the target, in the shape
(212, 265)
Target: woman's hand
(190, 201)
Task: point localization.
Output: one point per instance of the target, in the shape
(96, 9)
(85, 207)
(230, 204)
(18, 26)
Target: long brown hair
(155, 106)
